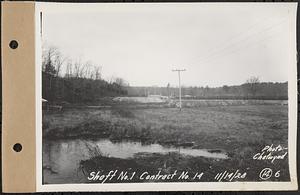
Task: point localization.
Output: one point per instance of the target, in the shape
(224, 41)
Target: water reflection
(61, 158)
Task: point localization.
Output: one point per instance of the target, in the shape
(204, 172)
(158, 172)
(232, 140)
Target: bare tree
(47, 60)
(252, 85)
(119, 81)
(69, 69)
(52, 60)
(84, 70)
(58, 62)
(77, 68)
(97, 72)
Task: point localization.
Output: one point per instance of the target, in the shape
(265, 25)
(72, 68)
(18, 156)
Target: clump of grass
(130, 130)
(87, 129)
(123, 112)
(94, 150)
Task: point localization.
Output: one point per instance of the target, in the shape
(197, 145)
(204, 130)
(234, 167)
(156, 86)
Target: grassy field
(240, 131)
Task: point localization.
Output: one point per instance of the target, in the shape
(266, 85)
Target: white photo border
(174, 186)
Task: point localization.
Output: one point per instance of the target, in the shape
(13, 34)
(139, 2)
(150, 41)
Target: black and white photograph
(179, 93)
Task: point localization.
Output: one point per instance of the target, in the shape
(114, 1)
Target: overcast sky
(217, 44)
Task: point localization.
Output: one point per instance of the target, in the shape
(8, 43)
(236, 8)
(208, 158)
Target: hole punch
(13, 44)
(17, 147)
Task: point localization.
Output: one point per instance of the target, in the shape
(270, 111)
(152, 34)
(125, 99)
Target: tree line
(64, 80)
(251, 89)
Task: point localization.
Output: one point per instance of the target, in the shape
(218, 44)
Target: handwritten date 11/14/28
(230, 176)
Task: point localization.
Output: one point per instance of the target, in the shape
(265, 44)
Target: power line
(234, 38)
(225, 49)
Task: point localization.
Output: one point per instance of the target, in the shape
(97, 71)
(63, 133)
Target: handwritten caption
(117, 175)
(127, 176)
(271, 153)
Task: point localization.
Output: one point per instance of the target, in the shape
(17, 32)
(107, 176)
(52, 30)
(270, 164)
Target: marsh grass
(93, 150)
(122, 112)
(227, 127)
(240, 131)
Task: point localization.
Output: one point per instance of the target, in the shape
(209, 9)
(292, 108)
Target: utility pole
(179, 70)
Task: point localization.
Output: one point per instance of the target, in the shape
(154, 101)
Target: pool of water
(61, 158)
